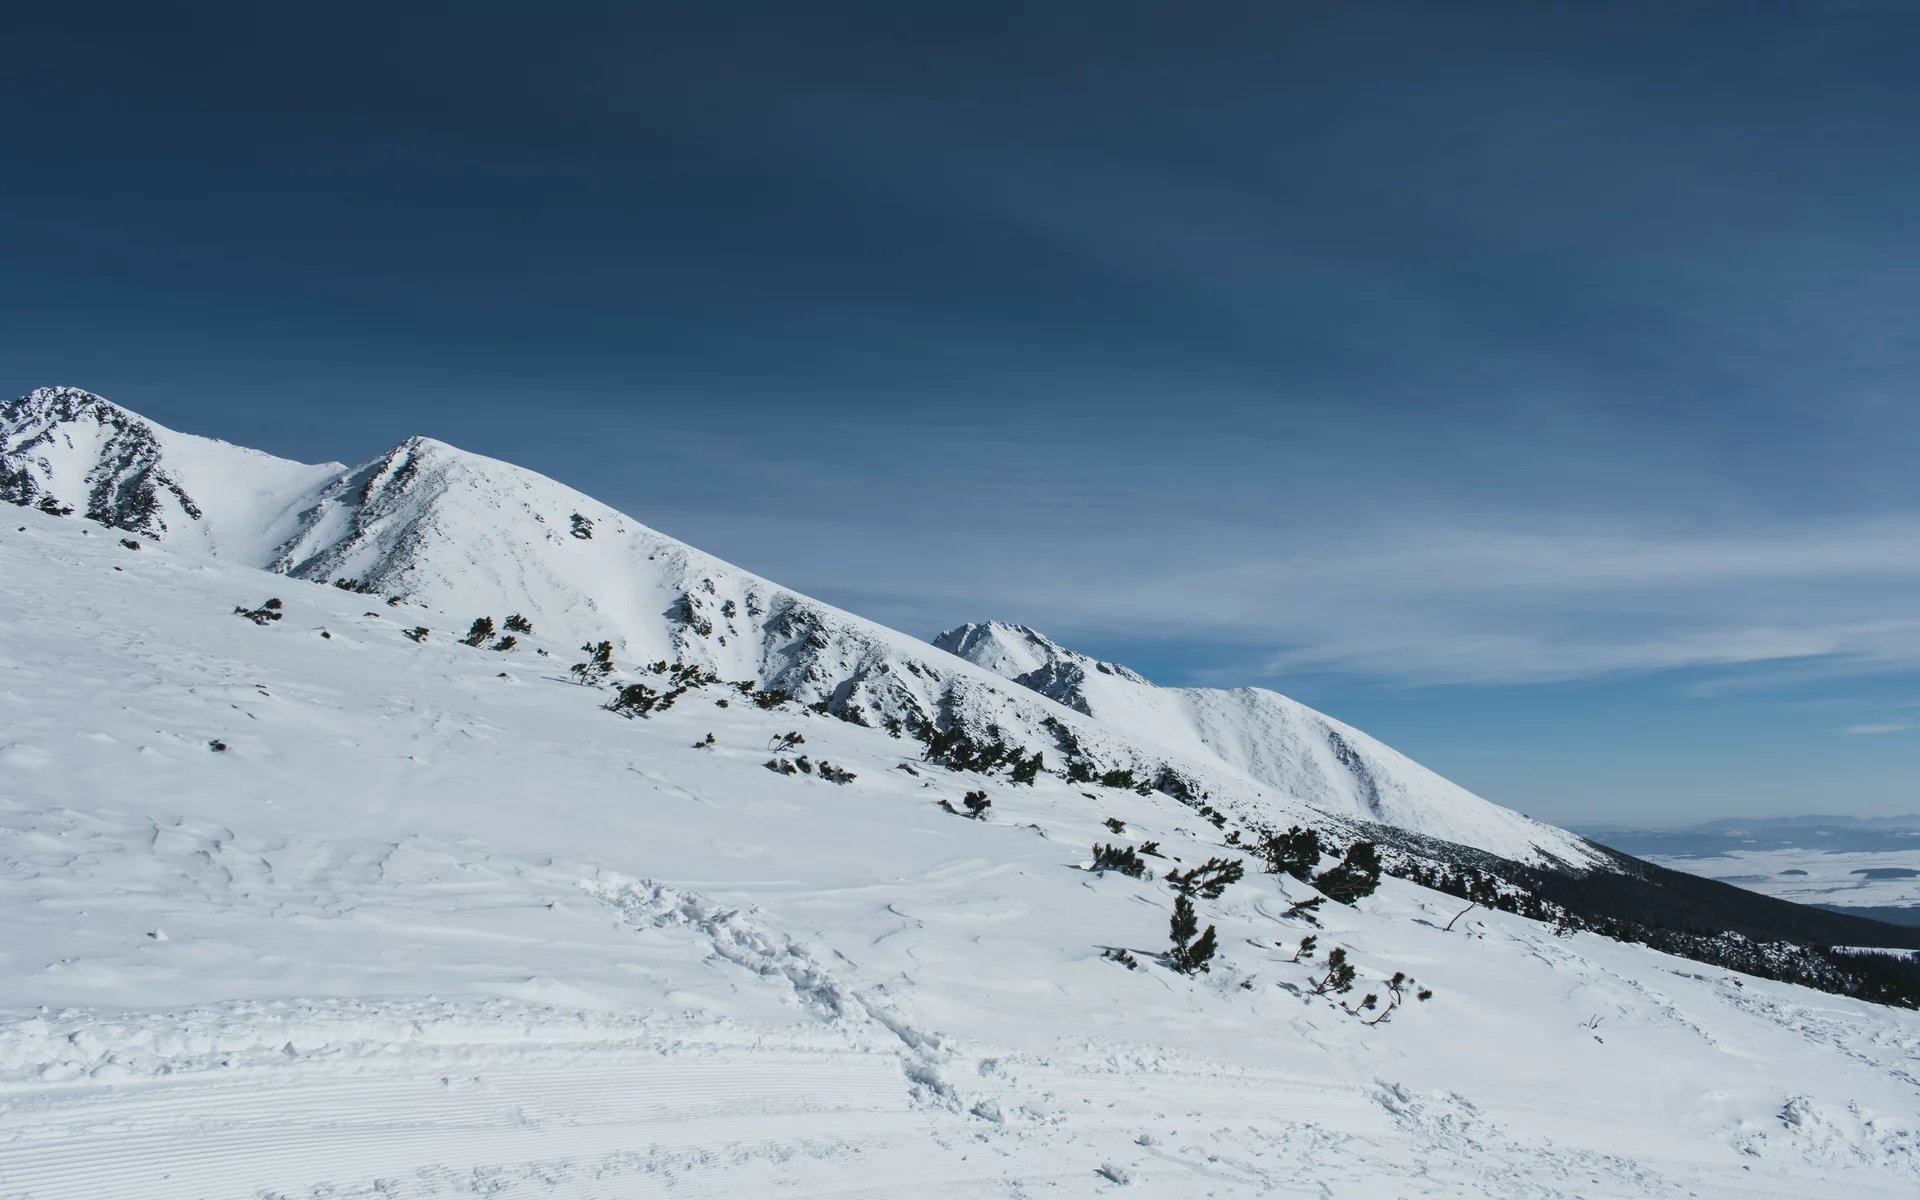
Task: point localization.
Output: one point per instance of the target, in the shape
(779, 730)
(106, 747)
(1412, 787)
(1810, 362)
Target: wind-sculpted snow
(1275, 740)
(438, 528)
(310, 908)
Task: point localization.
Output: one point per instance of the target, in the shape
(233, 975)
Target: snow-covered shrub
(582, 528)
(418, 633)
(1122, 957)
(506, 643)
(833, 774)
(478, 632)
(977, 804)
(515, 623)
(270, 611)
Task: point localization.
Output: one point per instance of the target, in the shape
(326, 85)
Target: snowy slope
(435, 923)
(1265, 735)
(467, 536)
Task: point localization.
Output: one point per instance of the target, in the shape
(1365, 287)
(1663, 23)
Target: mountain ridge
(1260, 733)
(427, 524)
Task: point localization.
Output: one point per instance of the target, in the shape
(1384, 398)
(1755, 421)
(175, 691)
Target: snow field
(424, 929)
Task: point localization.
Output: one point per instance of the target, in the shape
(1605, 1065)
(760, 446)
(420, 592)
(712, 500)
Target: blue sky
(1531, 385)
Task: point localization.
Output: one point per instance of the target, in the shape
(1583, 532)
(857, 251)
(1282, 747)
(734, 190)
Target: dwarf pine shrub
(1355, 876)
(269, 611)
(977, 804)
(1123, 859)
(1026, 770)
(1295, 852)
(1339, 977)
(633, 700)
(1306, 910)
(515, 623)
(599, 663)
(478, 632)
(1189, 954)
(1209, 879)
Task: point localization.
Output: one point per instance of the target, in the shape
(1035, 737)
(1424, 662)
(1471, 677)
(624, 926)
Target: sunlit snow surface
(425, 928)
(1842, 862)
(1860, 879)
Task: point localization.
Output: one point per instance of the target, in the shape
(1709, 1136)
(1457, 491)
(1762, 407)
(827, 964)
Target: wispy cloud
(1435, 604)
(1879, 727)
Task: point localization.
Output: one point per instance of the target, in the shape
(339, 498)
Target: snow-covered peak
(56, 405)
(1025, 655)
(67, 449)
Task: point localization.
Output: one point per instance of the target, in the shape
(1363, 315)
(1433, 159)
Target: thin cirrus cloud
(1872, 727)
(1472, 606)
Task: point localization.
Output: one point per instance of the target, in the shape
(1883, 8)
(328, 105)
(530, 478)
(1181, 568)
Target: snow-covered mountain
(437, 527)
(304, 907)
(1273, 739)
